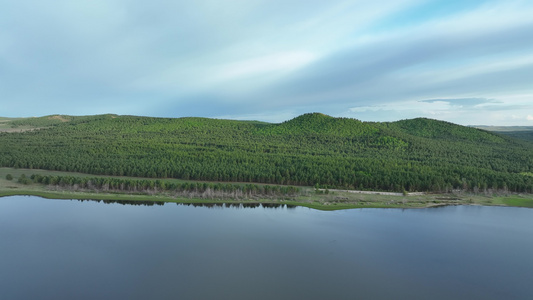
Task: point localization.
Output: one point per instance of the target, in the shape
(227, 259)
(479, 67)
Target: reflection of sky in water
(54, 249)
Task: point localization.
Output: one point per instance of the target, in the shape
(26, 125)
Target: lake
(69, 249)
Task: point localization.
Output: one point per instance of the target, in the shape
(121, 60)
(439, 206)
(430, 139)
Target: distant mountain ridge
(503, 128)
(519, 132)
(414, 155)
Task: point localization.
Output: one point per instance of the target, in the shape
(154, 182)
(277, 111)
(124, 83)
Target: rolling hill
(312, 149)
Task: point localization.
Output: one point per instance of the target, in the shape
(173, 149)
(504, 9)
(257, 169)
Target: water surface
(63, 249)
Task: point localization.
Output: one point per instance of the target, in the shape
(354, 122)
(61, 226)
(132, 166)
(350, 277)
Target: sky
(469, 62)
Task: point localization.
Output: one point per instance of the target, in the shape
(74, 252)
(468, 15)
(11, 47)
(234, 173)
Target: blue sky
(467, 62)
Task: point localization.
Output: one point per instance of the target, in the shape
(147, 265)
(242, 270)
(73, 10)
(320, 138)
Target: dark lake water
(67, 249)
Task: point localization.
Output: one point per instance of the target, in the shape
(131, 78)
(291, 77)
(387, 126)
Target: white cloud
(281, 58)
(279, 62)
(271, 117)
(499, 112)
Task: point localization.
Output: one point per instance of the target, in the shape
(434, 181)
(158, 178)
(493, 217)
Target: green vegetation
(517, 132)
(64, 185)
(196, 189)
(524, 135)
(409, 155)
(24, 180)
(518, 201)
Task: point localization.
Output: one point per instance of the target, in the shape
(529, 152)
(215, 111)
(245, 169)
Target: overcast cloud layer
(468, 62)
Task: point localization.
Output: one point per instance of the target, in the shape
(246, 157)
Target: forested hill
(413, 155)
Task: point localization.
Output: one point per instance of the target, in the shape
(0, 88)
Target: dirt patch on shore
(19, 129)
(58, 117)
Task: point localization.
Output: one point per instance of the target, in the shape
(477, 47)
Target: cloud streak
(269, 59)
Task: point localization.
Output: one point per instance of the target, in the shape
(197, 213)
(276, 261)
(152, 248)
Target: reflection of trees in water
(125, 202)
(208, 205)
(238, 205)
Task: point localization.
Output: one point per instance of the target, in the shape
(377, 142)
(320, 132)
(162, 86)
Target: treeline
(411, 155)
(185, 189)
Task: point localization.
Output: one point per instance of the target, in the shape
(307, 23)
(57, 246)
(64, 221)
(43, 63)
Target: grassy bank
(307, 197)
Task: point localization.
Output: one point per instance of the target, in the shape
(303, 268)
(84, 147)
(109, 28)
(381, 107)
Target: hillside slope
(413, 155)
(518, 132)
